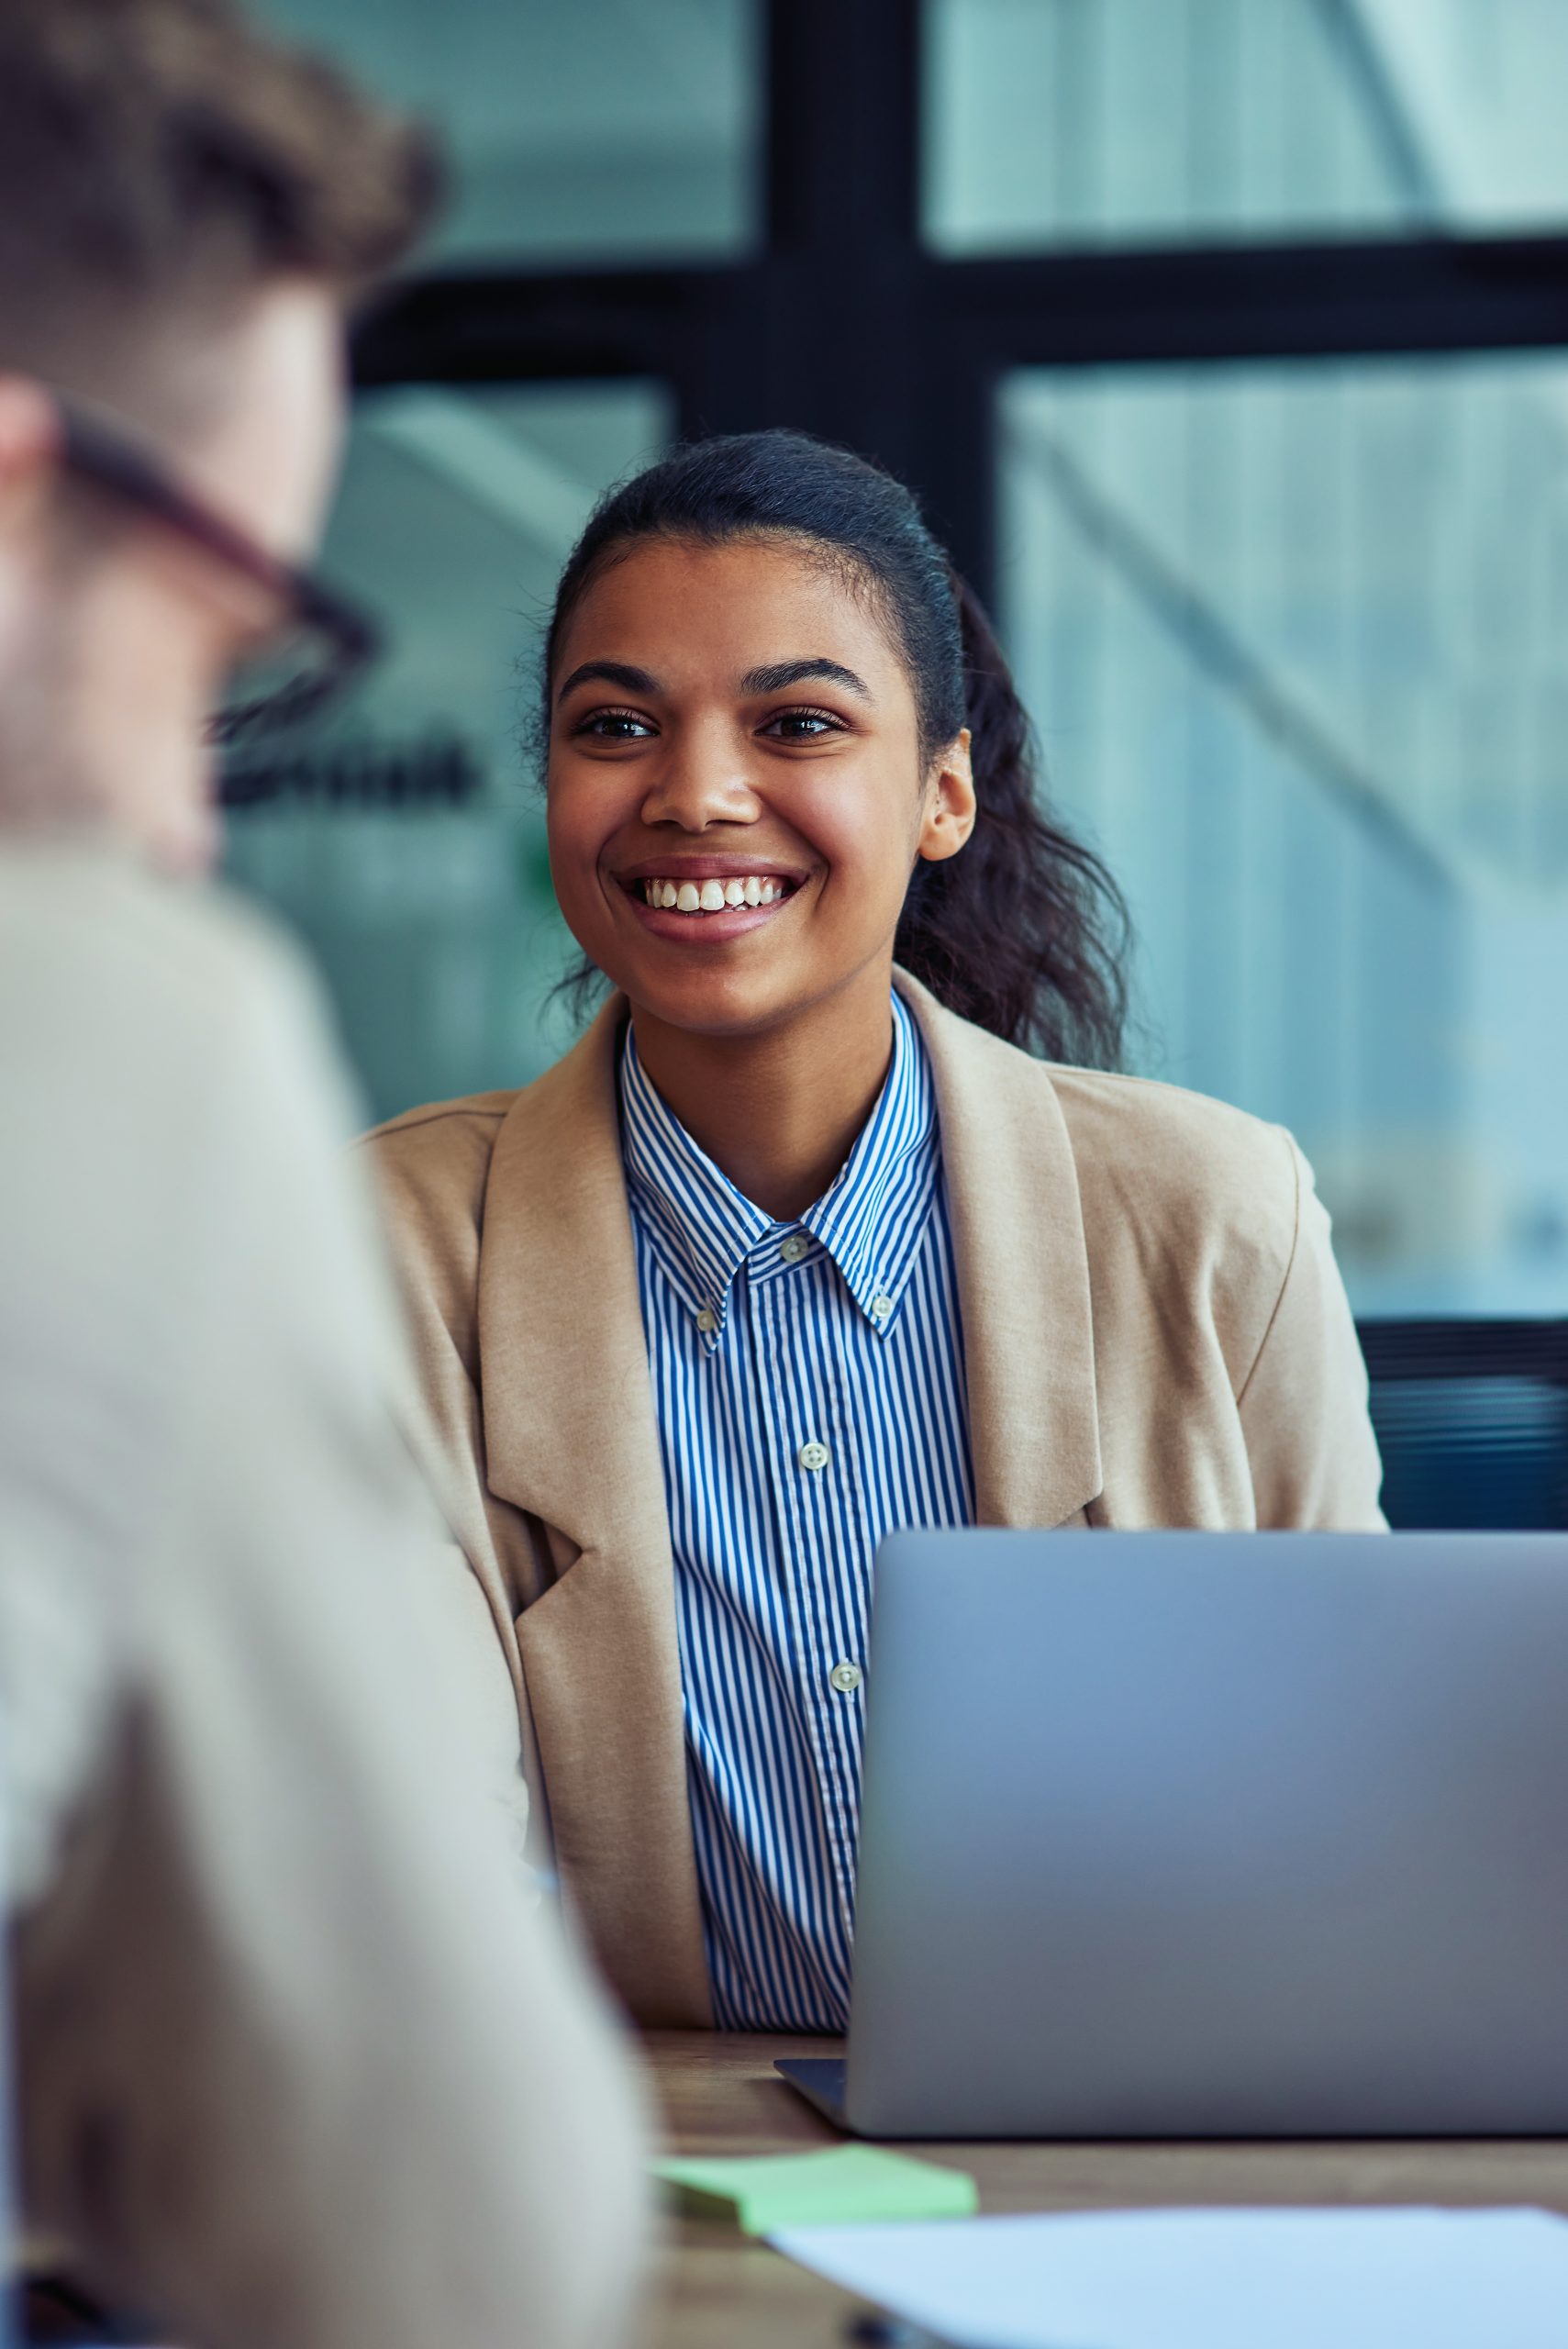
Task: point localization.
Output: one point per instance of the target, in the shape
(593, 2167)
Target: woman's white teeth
(712, 897)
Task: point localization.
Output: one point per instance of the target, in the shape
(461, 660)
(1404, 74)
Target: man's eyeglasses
(321, 642)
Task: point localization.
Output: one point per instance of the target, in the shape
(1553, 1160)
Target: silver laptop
(1211, 1835)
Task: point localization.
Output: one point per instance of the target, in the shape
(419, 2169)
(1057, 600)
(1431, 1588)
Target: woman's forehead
(689, 611)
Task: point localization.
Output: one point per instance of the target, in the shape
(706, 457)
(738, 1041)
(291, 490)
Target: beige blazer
(1155, 1334)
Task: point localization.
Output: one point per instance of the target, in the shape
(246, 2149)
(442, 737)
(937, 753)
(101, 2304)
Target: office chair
(1473, 1421)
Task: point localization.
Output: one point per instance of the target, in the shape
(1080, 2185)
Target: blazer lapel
(570, 1438)
(1023, 1274)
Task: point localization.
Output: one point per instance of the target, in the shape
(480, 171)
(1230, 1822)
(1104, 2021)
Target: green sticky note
(840, 2186)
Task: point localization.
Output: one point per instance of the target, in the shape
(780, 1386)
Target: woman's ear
(950, 812)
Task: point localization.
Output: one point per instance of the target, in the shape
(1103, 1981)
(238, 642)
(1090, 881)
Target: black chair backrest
(10, 2238)
(1472, 1420)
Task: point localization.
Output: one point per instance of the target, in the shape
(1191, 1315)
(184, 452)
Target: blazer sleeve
(1304, 1405)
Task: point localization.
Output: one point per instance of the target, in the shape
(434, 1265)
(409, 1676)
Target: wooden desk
(721, 2094)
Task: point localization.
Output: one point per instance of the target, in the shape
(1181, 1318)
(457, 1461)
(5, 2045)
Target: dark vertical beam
(856, 341)
(843, 139)
(840, 327)
(954, 467)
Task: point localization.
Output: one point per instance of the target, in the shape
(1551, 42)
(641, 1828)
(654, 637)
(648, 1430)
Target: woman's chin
(711, 1001)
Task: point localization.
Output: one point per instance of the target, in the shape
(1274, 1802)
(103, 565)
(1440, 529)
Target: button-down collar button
(845, 1678)
(707, 1321)
(794, 1247)
(881, 1306)
(813, 1456)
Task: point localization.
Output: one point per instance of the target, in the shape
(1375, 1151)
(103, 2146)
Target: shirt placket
(821, 1505)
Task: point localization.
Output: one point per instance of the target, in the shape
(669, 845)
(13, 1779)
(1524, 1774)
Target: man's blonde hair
(161, 159)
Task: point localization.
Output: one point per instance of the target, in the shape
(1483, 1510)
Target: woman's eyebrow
(609, 672)
(781, 674)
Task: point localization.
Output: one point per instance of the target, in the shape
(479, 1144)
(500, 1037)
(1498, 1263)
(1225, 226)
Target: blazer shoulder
(1181, 1165)
(440, 1141)
(433, 1164)
(430, 1168)
(1166, 1171)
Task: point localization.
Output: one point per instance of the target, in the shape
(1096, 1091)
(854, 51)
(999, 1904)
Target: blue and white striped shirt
(809, 1381)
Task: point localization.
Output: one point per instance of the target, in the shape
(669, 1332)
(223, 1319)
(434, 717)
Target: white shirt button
(707, 1321)
(881, 1306)
(845, 1678)
(794, 1247)
(813, 1455)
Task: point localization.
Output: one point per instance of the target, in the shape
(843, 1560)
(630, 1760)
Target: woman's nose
(699, 786)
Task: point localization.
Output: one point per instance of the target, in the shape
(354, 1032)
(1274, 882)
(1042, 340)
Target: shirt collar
(870, 1220)
(701, 1228)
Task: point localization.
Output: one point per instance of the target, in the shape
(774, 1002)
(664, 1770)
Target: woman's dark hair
(1024, 931)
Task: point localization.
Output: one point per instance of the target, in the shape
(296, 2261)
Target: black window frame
(842, 322)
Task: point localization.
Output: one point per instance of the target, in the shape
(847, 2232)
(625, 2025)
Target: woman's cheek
(574, 838)
(868, 848)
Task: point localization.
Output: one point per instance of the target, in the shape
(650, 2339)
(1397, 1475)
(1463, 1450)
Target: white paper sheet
(1214, 2279)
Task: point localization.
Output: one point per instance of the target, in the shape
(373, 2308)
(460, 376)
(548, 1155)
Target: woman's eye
(614, 726)
(802, 725)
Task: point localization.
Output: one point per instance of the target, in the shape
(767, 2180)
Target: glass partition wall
(605, 131)
(1102, 122)
(1226, 341)
(1297, 639)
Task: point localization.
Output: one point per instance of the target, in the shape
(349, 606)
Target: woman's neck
(778, 1112)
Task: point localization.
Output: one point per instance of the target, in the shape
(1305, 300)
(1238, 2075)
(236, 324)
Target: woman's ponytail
(1025, 933)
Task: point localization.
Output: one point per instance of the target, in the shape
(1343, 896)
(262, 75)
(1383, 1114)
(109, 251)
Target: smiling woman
(803, 774)
(797, 1246)
(1026, 934)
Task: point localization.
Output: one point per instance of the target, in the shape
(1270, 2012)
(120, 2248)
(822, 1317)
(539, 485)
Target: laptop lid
(1179, 1834)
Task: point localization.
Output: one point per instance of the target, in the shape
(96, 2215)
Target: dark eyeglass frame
(112, 456)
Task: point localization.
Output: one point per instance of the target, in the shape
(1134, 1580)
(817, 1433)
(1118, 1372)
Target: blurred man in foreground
(297, 2066)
